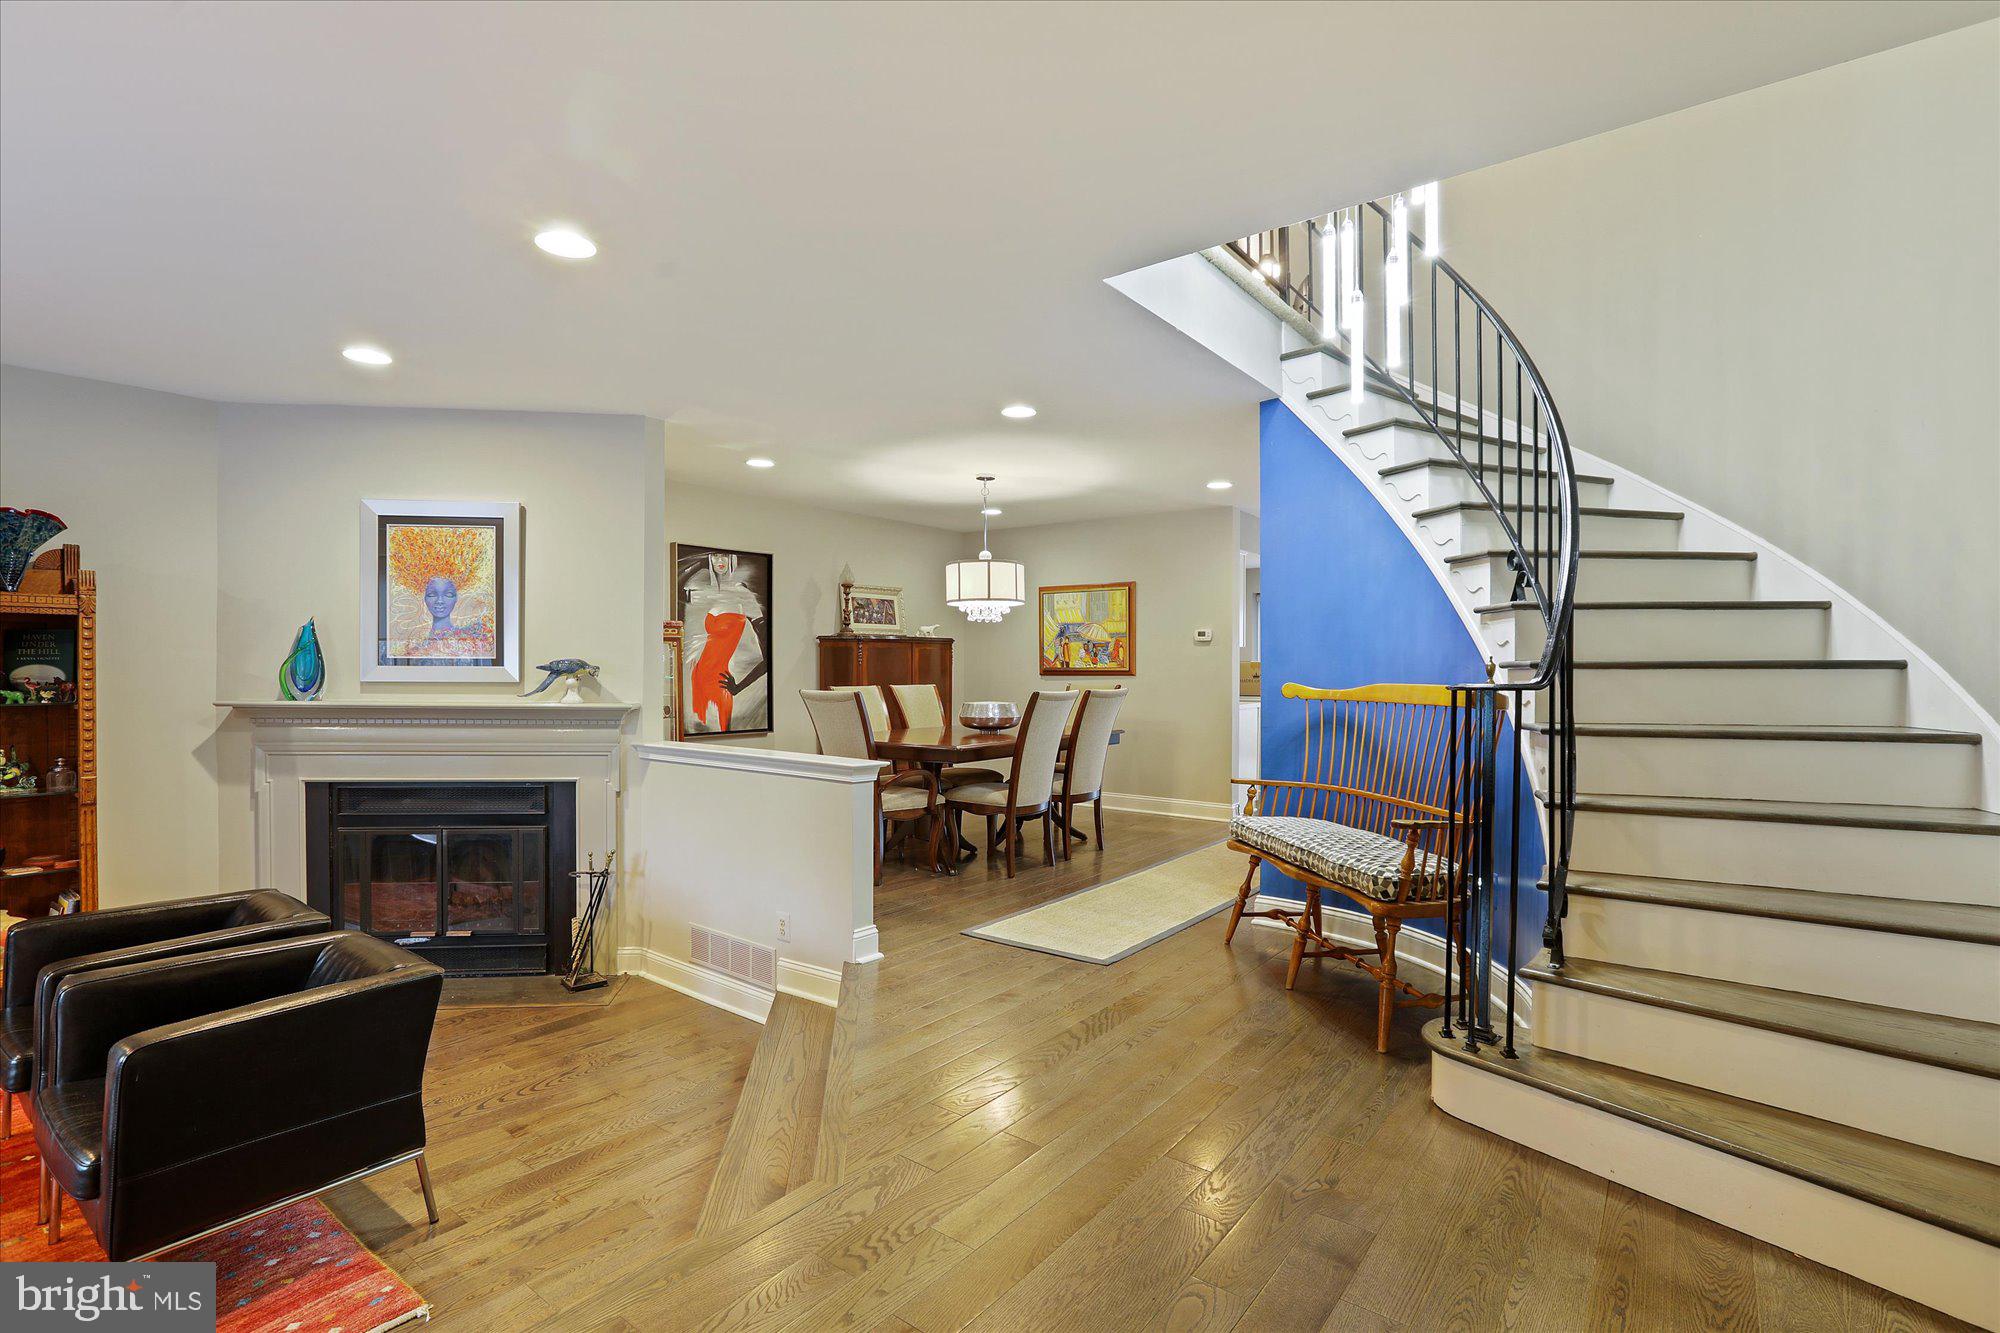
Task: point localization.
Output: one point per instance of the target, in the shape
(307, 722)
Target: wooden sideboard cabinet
(885, 659)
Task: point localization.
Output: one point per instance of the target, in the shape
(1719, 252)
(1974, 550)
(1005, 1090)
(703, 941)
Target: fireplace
(472, 875)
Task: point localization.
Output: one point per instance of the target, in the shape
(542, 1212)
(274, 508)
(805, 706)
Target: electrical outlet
(784, 925)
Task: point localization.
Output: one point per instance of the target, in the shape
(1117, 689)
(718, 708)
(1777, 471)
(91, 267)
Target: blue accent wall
(1347, 601)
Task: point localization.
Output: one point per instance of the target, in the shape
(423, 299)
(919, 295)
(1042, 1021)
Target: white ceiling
(842, 235)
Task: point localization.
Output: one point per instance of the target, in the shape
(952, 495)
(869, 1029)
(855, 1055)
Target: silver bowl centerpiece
(992, 716)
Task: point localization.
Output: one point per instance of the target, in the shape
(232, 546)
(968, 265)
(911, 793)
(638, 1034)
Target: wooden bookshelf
(58, 824)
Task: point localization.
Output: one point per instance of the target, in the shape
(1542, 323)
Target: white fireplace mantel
(422, 740)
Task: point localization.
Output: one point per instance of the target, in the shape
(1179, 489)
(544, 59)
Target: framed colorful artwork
(723, 600)
(440, 591)
(874, 610)
(1089, 629)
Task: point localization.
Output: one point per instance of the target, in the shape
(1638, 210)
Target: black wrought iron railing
(1366, 288)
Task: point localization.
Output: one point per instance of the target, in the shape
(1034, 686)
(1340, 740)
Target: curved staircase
(1771, 993)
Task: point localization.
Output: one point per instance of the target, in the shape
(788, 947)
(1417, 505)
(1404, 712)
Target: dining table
(935, 749)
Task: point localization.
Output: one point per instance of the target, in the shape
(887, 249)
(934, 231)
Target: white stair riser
(1946, 1109)
(1753, 697)
(1444, 484)
(1828, 858)
(1648, 634)
(1479, 530)
(1916, 972)
(1860, 772)
(1612, 580)
(1939, 1268)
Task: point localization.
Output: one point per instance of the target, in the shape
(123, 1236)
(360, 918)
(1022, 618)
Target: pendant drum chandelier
(985, 589)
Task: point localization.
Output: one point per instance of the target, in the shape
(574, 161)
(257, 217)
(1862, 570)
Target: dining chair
(1029, 792)
(876, 704)
(923, 706)
(1081, 776)
(840, 722)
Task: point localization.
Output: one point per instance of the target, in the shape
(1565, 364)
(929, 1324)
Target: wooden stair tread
(1735, 664)
(773, 1143)
(1956, 1193)
(1970, 923)
(1717, 731)
(1932, 1039)
(1423, 463)
(1588, 511)
(1917, 818)
(1491, 553)
(1725, 604)
(1465, 437)
(1382, 387)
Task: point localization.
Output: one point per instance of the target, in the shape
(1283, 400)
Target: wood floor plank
(773, 1139)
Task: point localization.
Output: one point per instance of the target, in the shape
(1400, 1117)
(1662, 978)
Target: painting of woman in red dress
(722, 597)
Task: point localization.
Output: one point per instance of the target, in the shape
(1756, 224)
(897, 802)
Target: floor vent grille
(753, 963)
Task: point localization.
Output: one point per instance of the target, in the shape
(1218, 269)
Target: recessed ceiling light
(759, 462)
(1017, 411)
(566, 243)
(1220, 485)
(364, 355)
(990, 512)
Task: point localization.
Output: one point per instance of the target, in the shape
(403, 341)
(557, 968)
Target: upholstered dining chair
(1080, 778)
(840, 721)
(1029, 792)
(922, 706)
(875, 703)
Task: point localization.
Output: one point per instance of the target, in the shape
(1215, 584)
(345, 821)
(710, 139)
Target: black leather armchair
(185, 1094)
(47, 949)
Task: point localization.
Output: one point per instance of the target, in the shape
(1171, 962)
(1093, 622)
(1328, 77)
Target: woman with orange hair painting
(441, 598)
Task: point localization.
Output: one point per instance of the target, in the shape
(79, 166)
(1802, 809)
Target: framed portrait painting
(440, 591)
(722, 598)
(1089, 629)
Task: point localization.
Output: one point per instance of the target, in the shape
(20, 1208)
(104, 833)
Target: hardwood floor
(1014, 1141)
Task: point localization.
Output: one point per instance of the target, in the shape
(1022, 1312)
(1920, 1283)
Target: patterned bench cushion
(1366, 862)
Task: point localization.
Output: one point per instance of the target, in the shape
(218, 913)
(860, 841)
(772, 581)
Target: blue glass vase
(22, 533)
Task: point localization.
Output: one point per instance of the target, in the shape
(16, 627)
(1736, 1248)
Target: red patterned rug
(296, 1270)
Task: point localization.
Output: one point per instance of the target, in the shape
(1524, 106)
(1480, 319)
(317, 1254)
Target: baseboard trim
(1413, 949)
(701, 983)
(808, 981)
(867, 944)
(1940, 1268)
(1172, 806)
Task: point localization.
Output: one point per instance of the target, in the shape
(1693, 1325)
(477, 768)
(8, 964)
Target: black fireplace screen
(460, 873)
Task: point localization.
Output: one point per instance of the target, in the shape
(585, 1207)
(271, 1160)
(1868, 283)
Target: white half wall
(729, 838)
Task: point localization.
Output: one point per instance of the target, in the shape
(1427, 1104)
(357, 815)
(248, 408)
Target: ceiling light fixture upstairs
(760, 462)
(363, 355)
(1017, 411)
(566, 243)
(985, 589)
(1220, 485)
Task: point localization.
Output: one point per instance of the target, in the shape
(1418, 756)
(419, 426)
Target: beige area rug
(1113, 921)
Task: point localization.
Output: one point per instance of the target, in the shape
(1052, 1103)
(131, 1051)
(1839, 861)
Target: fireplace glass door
(460, 873)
